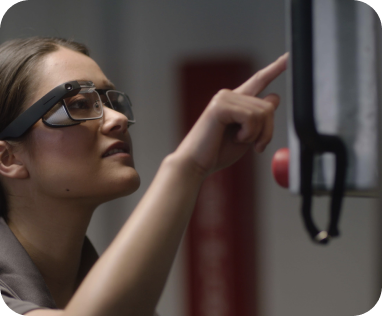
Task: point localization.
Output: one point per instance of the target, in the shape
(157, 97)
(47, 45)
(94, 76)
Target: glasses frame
(105, 92)
(34, 113)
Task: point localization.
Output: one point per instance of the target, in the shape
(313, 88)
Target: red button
(280, 167)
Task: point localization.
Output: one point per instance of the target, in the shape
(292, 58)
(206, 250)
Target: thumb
(274, 99)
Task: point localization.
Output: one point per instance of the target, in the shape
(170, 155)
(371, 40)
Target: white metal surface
(346, 97)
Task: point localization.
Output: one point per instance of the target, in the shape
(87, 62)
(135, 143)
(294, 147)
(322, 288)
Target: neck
(53, 232)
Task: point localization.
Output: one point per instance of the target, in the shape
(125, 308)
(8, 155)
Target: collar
(20, 275)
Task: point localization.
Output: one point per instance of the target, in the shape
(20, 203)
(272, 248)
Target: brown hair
(19, 61)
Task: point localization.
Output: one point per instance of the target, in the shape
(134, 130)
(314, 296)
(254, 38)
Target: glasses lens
(84, 106)
(121, 103)
(57, 116)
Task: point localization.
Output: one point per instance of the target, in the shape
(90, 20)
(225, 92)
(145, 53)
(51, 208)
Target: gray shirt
(21, 283)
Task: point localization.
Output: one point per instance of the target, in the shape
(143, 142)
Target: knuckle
(220, 96)
(269, 104)
(223, 94)
(261, 114)
(269, 108)
(254, 116)
(219, 99)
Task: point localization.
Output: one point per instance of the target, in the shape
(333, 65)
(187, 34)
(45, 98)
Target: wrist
(185, 167)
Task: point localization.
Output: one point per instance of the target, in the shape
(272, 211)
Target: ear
(10, 164)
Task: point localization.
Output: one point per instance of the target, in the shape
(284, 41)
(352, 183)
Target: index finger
(260, 80)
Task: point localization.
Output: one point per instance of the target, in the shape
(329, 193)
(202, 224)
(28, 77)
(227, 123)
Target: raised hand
(233, 122)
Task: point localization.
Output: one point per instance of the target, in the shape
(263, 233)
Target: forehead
(67, 65)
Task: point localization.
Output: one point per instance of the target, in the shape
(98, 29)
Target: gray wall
(139, 45)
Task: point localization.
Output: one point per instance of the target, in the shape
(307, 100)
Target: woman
(63, 157)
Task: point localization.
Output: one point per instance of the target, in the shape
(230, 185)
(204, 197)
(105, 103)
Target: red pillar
(221, 240)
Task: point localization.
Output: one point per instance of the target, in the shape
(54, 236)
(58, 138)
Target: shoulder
(13, 302)
(21, 284)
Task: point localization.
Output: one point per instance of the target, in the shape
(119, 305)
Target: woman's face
(71, 162)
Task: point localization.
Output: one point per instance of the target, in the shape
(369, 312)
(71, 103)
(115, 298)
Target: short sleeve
(15, 304)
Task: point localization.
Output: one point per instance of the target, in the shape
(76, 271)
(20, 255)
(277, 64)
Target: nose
(113, 122)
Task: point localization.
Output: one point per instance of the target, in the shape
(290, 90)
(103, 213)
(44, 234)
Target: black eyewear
(69, 104)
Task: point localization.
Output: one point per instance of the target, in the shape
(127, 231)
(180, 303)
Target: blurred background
(141, 46)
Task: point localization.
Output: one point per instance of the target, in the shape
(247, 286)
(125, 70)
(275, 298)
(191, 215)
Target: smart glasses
(69, 104)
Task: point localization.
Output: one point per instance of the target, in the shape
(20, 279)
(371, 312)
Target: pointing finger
(259, 81)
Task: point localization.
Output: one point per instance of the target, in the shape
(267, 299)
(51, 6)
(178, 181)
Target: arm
(132, 272)
(129, 277)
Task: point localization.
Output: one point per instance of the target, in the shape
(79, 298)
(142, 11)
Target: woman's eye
(82, 104)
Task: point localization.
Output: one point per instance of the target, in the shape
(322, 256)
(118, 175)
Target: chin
(113, 186)
(126, 186)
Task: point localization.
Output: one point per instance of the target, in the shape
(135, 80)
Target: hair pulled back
(19, 62)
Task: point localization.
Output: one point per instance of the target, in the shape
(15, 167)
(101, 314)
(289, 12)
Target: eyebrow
(107, 84)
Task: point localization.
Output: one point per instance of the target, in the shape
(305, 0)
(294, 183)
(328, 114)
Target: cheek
(62, 158)
(66, 162)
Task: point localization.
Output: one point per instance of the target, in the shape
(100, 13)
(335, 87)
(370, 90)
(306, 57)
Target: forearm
(131, 274)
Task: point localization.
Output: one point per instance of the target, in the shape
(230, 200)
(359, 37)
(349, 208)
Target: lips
(119, 147)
